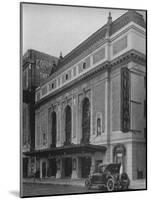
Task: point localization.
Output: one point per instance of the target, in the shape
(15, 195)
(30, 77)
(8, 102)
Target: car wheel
(88, 184)
(110, 184)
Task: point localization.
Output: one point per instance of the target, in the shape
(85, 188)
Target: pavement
(135, 184)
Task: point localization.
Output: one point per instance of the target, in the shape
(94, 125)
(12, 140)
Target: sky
(53, 29)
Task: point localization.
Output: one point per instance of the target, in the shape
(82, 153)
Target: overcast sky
(52, 29)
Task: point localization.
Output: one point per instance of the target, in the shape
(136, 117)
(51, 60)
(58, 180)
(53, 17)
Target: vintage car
(109, 177)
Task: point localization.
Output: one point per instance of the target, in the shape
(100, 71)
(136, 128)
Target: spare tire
(110, 184)
(124, 180)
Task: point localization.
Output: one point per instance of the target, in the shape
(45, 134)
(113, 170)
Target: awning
(69, 149)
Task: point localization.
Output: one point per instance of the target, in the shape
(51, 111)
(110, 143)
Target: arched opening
(68, 124)
(53, 130)
(44, 170)
(85, 121)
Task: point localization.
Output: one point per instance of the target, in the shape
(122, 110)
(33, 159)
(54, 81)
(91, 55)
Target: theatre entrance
(85, 166)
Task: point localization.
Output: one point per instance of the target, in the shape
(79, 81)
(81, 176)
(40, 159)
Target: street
(44, 188)
(30, 189)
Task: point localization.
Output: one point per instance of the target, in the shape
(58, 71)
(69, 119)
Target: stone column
(62, 135)
(74, 120)
(129, 166)
(79, 118)
(40, 169)
(92, 164)
(59, 168)
(58, 124)
(74, 168)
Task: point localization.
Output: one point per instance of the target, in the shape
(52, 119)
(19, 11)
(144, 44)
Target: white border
(9, 101)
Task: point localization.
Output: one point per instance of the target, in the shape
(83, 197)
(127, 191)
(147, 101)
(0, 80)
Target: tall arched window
(85, 121)
(68, 124)
(53, 130)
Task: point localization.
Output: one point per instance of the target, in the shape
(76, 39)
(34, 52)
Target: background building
(37, 67)
(92, 108)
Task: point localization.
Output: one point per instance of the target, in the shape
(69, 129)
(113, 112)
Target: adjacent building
(91, 108)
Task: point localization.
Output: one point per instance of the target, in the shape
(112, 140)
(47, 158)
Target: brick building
(92, 108)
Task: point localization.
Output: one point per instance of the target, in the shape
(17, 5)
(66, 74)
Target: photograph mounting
(83, 99)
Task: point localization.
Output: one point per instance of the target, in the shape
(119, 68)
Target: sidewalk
(77, 182)
(136, 184)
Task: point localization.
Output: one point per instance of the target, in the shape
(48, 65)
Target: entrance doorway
(25, 167)
(43, 169)
(52, 167)
(85, 166)
(67, 167)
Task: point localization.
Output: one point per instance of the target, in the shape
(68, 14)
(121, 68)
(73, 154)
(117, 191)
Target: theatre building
(91, 108)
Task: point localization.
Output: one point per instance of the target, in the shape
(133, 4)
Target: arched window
(85, 121)
(53, 130)
(68, 124)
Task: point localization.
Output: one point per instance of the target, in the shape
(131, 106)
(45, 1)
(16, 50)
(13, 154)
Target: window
(67, 76)
(53, 129)
(68, 124)
(99, 127)
(44, 138)
(52, 85)
(84, 65)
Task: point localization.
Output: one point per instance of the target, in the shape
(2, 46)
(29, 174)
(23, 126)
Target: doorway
(44, 170)
(67, 167)
(85, 166)
(52, 167)
(25, 167)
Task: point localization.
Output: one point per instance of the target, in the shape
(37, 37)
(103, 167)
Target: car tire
(110, 184)
(88, 184)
